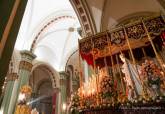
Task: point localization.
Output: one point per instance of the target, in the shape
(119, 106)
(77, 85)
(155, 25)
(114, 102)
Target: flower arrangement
(150, 68)
(153, 77)
(107, 87)
(151, 73)
(75, 102)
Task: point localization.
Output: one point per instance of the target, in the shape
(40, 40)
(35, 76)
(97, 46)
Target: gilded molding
(98, 43)
(25, 65)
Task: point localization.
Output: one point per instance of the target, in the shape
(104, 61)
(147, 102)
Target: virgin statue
(133, 83)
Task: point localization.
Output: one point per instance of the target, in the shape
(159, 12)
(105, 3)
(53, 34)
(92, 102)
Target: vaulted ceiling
(106, 14)
(49, 29)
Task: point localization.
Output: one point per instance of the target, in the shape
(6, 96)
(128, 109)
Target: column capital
(12, 77)
(63, 75)
(25, 65)
(26, 60)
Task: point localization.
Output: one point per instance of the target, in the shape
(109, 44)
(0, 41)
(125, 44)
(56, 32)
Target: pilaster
(25, 67)
(63, 77)
(10, 79)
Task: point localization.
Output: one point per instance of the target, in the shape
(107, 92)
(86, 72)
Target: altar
(128, 70)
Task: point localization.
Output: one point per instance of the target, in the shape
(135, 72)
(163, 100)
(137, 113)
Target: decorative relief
(100, 42)
(155, 26)
(100, 47)
(25, 65)
(136, 31)
(86, 46)
(117, 37)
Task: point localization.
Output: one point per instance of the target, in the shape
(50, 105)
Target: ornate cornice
(26, 60)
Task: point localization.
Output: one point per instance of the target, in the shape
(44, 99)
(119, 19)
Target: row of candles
(91, 87)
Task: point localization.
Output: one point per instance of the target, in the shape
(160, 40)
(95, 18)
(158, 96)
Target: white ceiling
(56, 42)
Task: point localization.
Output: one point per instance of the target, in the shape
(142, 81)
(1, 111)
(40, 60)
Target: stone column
(63, 77)
(8, 91)
(13, 98)
(25, 67)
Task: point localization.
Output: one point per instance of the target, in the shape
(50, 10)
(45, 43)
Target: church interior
(82, 57)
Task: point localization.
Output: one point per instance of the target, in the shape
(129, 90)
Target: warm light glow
(162, 73)
(21, 97)
(64, 106)
(164, 65)
(83, 92)
(89, 92)
(89, 88)
(93, 90)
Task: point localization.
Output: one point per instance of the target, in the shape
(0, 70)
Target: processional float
(128, 65)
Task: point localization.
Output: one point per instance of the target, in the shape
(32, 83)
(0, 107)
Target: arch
(53, 73)
(40, 84)
(48, 24)
(54, 78)
(69, 56)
